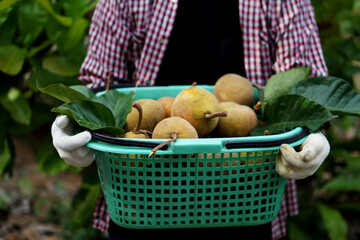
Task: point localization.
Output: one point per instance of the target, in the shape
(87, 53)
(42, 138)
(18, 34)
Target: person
(178, 42)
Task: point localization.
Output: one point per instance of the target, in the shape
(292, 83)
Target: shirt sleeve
(296, 36)
(109, 39)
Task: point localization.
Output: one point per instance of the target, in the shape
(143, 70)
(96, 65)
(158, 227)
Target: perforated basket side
(191, 190)
(224, 182)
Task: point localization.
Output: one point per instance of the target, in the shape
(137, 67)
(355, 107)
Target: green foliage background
(330, 200)
(45, 41)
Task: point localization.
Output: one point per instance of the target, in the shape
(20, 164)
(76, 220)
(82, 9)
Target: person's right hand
(72, 148)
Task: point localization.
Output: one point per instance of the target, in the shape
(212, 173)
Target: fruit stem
(108, 80)
(136, 85)
(259, 90)
(194, 84)
(257, 106)
(217, 114)
(173, 139)
(257, 86)
(137, 127)
(146, 132)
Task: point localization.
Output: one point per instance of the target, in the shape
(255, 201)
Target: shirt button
(162, 40)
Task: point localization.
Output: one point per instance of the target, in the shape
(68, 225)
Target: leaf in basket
(119, 103)
(84, 90)
(335, 94)
(91, 115)
(64, 93)
(290, 111)
(280, 84)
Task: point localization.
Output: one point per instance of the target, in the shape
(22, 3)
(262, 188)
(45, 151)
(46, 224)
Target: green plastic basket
(207, 182)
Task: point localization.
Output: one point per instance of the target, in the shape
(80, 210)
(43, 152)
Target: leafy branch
(292, 99)
(105, 112)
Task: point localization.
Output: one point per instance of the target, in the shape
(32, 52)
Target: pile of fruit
(196, 112)
(290, 99)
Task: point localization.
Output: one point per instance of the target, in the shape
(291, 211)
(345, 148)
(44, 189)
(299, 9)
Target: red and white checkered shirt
(129, 37)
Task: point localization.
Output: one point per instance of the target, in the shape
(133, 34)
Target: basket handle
(217, 145)
(126, 142)
(209, 144)
(268, 142)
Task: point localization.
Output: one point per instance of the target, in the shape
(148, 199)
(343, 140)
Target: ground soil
(30, 197)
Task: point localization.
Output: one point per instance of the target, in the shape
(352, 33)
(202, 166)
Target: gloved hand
(72, 148)
(299, 165)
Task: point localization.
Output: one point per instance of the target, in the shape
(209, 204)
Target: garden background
(43, 198)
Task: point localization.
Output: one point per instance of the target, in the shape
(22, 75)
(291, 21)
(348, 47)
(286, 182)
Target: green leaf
(40, 116)
(75, 34)
(280, 84)
(9, 25)
(83, 205)
(6, 157)
(60, 65)
(91, 115)
(64, 93)
(35, 50)
(4, 14)
(66, 21)
(77, 9)
(48, 160)
(15, 103)
(89, 8)
(290, 111)
(2, 134)
(119, 103)
(84, 90)
(11, 59)
(345, 183)
(43, 78)
(54, 30)
(335, 94)
(352, 161)
(32, 18)
(4, 4)
(335, 224)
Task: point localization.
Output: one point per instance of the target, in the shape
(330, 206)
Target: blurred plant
(329, 201)
(45, 41)
(36, 44)
(339, 25)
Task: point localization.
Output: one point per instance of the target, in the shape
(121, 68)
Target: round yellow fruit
(152, 113)
(239, 122)
(194, 104)
(167, 103)
(232, 87)
(168, 126)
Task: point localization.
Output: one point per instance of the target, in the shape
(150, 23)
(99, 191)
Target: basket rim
(102, 142)
(293, 137)
(266, 141)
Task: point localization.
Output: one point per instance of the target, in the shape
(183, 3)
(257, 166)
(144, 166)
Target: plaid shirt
(129, 38)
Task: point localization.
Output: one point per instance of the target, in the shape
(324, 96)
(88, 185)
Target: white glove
(299, 165)
(72, 148)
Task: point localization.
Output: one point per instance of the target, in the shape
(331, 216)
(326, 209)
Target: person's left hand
(299, 165)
